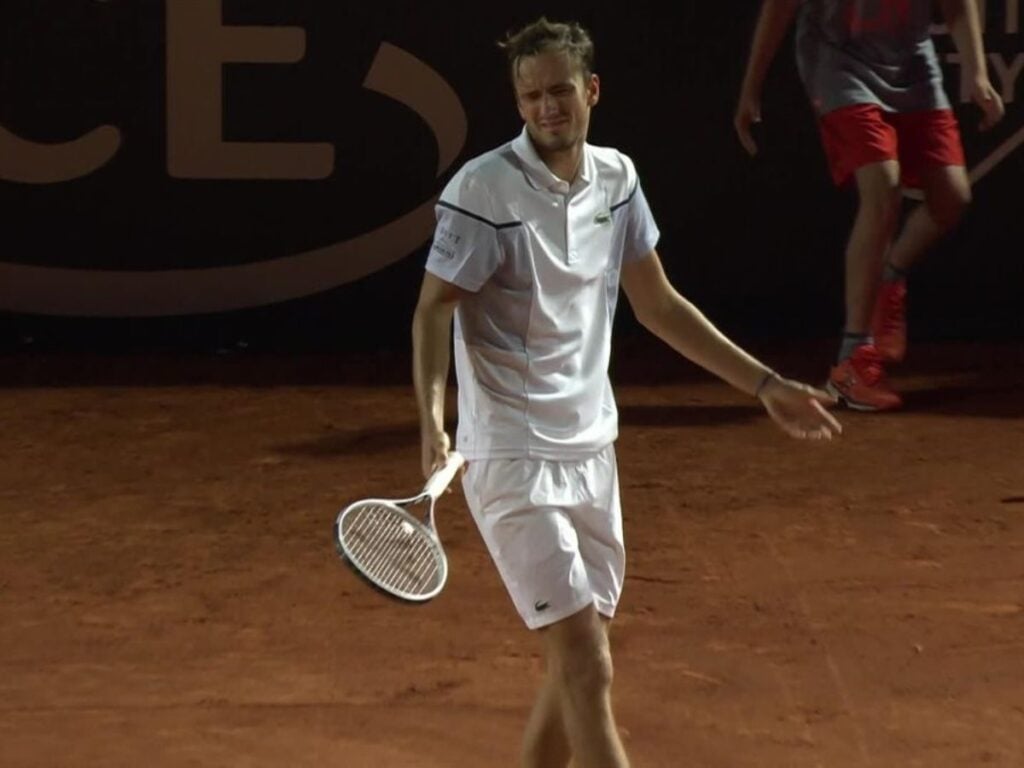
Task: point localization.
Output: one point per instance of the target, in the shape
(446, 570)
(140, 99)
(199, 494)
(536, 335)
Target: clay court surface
(170, 596)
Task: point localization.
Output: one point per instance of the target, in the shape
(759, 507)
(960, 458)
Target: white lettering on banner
(1003, 76)
(1005, 67)
(197, 45)
(33, 162)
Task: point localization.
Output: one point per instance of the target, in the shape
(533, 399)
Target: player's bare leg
(580, 673)
(878, 185)
(858, 378)
(546, 744)
(947, 192)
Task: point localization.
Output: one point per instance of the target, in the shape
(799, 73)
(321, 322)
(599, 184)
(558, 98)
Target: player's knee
(947, 210)
(588, 672)
(882, 206)
(579, 655)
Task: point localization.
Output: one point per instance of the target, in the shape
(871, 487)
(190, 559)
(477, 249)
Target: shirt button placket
(570, 251)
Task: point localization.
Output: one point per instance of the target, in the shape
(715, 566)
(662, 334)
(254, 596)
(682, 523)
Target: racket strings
(406, 560)
(391, 551)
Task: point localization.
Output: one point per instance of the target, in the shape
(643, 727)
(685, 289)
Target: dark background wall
(757, 243)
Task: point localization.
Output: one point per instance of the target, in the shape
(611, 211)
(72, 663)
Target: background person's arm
(964, 24)
(772, 25)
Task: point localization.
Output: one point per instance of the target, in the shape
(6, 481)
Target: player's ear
(593, 90)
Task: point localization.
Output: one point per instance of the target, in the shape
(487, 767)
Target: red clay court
(171, 597)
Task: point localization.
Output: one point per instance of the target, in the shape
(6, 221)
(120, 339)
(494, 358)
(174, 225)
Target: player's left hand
(799, 409)
(989, 101)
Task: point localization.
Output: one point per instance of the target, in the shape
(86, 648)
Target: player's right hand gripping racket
(394, 550)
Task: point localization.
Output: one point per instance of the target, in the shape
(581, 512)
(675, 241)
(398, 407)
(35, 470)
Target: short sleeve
(465, 250)
(642, 232)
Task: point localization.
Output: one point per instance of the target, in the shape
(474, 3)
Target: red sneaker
(859, 382)
(889, 324)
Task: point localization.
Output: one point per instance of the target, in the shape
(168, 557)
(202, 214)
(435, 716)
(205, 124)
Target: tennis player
(532, 242)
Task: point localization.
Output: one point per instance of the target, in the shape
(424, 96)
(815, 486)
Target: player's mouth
(554, 125)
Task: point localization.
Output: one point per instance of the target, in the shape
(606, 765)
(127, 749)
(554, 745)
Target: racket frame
(435, 486)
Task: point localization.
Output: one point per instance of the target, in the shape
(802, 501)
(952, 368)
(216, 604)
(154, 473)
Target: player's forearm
(772, 25)
(964, 24)
(431, 331)
(685, 328)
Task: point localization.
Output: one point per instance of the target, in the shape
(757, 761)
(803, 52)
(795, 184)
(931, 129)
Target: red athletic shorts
(861, 134)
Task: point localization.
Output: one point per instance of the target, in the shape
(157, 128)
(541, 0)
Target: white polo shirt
(542, 261)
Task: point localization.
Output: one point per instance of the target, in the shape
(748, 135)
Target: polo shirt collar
(537, 172)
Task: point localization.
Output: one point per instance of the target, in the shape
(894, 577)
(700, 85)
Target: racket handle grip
(443, 477)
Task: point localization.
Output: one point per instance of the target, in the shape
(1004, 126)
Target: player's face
(555, 99)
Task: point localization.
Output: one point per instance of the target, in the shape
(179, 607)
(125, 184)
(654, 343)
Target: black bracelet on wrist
(768, 376)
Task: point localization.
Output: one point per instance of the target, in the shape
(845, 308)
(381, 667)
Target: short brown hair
(543, 36)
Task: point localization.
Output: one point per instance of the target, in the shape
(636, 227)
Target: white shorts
(554, 529)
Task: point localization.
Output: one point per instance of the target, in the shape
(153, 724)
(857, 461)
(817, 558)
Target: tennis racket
(396, 551)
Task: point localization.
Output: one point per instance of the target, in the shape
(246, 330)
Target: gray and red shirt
(869, 52)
